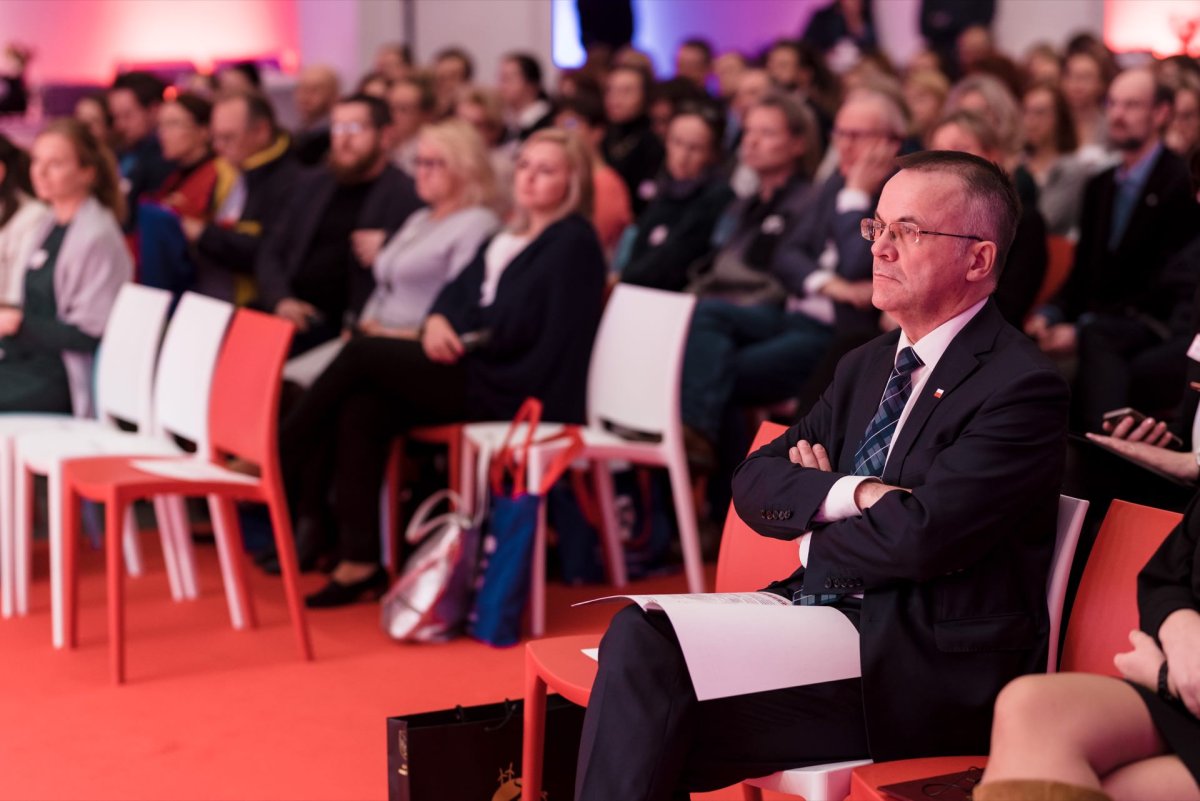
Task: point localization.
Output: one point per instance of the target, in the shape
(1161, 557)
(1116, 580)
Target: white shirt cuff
(805, 546)
(852, 200)
(815, 280)
(839, 503)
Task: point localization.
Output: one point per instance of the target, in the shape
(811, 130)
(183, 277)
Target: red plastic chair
(1104, 613)
(243, 421)
(746, 562)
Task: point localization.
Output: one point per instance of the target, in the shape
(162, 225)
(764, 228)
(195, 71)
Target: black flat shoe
(334, 594)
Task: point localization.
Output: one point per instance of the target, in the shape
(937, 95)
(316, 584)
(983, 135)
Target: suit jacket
(1132, 279)
(803, 244)
(954, 573)
(392, 198)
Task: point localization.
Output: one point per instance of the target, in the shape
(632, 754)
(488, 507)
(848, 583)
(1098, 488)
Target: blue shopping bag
(509, 540)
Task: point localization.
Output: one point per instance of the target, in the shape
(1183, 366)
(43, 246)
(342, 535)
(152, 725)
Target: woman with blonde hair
(72, 265)
(517, 321)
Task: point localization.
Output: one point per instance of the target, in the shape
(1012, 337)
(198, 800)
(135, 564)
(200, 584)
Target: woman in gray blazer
(74, 263)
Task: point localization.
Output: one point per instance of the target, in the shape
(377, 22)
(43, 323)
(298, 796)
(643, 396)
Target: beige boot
(1035, 790)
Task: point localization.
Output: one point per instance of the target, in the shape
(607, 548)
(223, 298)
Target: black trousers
(647, 738)
(339, 433)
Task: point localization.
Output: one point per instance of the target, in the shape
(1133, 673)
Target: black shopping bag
(474, 753)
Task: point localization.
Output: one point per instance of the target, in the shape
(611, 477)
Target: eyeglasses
(904, 231)
(348, 128)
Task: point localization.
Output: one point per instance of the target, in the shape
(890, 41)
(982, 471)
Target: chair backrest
(128, 353)
(1060, 256)
(243, 415)
(637, 361)
(1105, 609)
(749, 561)
(1071, 512)
(183, 383)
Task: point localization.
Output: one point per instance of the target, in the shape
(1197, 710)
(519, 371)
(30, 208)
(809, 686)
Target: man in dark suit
(315, 266)
(923, 487)
(1116, 308)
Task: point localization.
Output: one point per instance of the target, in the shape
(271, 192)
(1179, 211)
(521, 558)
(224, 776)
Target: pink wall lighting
(84, 40)
(1154, 25)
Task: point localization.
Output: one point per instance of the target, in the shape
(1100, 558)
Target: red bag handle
(505, 460)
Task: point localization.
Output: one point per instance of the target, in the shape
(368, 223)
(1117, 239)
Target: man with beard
(314, 268)
(1120, 310)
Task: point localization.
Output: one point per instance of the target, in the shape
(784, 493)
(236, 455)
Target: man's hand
(808, 455)
(1180, 636)
(440, 340)
(1141, 665)
(852, 293)
(869, 493)
(366, 244)
(297, 312)
(874, 167)
(1178, 464)
(192, 227)
(1148, 431)
(10, 321)
(1036, 326)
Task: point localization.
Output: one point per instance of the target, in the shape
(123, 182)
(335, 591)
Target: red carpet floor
(213, 713)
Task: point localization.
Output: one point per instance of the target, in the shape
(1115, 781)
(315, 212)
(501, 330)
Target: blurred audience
(19, 213)
(1050, 145)
(133, 101)
(583, 115)
(413, 104)
(526, 106)
(317, 89)
(630, 145)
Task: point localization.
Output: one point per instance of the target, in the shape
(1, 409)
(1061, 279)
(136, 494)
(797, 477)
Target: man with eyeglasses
(1123, 312)
(246, 135)
(922, 492)
(314, 271)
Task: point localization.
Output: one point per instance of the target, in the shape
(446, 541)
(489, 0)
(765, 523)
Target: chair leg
(22, 539)
(185, 555)
(54, 508)
(71, 530)
(7, 528)
(454, 460)
(233, 562)
(132, 542)
(166, 536)
(537, 583)
(610, 531)
(685, 514)
(390, 502)
(114, 546)
(534, 736)
(286, 547)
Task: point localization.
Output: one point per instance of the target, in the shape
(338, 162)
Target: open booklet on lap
(737, 643)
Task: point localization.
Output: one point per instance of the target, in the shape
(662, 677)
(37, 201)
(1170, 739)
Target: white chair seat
(43, 451)
(193, 469)
(829, 782)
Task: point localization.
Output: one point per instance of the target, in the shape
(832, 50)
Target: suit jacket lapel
(958, 362)
(866, 392)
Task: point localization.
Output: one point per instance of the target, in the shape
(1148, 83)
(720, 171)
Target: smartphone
(1117, 415)
(474, 340)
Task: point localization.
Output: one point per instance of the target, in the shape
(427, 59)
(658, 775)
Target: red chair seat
(866, 781)
(563, 666)
(98, 478)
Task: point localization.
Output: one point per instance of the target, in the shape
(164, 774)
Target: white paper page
(739, 643)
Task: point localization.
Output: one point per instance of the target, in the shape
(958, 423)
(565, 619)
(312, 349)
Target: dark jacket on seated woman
(674, 231)
(537, 333)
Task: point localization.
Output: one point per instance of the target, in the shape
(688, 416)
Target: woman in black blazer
(1137, 739)
(518, 321)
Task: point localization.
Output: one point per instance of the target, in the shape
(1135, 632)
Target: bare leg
(1160, 778)
(1069, 727)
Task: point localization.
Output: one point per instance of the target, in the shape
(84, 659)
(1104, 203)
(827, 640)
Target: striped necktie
(872, 452)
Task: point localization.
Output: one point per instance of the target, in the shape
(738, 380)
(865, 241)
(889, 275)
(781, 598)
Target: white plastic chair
(633, 388)
(124, 378)
(831, 782)
(181, 391)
